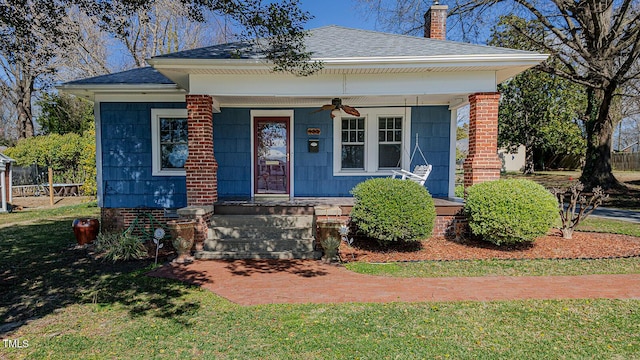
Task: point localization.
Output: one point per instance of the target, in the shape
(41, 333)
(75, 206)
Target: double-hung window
(169, 141)
(373, 144)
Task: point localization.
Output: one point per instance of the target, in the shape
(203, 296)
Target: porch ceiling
(358, 101)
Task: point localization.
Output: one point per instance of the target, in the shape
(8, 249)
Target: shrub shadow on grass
(41, 271)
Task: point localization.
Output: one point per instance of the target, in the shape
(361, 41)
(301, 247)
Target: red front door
(271, 155)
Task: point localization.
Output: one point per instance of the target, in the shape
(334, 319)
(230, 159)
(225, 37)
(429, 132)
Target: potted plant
(329, 238)
(86, 230)
(182, 234)
(330, 246)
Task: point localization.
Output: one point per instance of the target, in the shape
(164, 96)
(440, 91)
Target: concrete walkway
(253, 282)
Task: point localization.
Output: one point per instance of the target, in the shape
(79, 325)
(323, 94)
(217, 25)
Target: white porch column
(3, 185)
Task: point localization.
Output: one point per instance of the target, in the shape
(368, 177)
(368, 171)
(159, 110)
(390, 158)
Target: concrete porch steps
(260, 236)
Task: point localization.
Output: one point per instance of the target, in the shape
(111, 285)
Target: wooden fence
(626, 161)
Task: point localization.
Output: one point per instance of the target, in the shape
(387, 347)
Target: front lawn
(66, 305)
(628, 198)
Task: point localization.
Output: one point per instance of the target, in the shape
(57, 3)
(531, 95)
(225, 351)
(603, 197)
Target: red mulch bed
(583, 245)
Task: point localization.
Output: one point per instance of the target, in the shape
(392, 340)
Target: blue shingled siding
(433, 126)
(126, 159)
(232, 148)
(313, 174)
(126, 155)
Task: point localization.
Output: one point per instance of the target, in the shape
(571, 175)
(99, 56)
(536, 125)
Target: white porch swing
(420, 173)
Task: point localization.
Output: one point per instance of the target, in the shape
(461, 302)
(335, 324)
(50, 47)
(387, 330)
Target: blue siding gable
(126, 159)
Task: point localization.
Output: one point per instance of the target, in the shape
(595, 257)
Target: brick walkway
(248, 282)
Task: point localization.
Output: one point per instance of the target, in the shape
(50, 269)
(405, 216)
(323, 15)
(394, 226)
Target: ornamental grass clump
(120, 247)
(389, 209)
(512, 211)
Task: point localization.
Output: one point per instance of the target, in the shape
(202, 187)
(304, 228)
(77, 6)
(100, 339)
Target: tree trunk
(23, 107)
(529, 166)
(597, 167)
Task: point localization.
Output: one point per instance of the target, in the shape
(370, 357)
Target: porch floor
(306, 205)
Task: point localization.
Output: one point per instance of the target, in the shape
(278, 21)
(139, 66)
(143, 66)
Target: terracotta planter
(182, 235)
(85, 230)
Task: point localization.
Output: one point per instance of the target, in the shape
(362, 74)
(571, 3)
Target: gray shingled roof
(145, 75)
(324, 42)
(341, 42)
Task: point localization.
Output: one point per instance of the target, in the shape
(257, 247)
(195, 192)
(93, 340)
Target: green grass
(596, 224)
(574, 329)
(88, 209)
(628, 198)
(74, 307)
(499, 268)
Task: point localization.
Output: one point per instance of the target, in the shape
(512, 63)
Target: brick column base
(202, 215)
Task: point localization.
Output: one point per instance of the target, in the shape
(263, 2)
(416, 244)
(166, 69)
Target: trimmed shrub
(510, 211)
(389, 209)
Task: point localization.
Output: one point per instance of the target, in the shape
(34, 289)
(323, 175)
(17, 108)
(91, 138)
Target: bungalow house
(202, 126)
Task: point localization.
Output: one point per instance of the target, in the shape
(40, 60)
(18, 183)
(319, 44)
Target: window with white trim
(169, 141)
(373, 144)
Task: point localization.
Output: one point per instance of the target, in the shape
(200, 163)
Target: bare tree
(597, 42)
(92, 52)
(31, 35)
(163, 27)
(36, 34)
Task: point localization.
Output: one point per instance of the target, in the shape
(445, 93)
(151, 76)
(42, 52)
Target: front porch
(284, 228)
(319, 206)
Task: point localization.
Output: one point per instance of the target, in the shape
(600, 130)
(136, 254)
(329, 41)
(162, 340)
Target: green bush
(510, 211)
(393, 210)
(120, 247)
(459, 191)
(71, 157)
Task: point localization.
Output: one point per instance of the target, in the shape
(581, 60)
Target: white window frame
(156, 115)
(371, 141)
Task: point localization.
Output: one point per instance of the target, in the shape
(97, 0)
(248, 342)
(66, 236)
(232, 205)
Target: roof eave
(90, 90)
(501, 60)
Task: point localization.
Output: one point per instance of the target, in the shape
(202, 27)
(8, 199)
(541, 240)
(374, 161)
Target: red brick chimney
(435, 22)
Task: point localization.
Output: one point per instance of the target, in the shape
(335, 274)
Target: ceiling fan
(336, 104)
